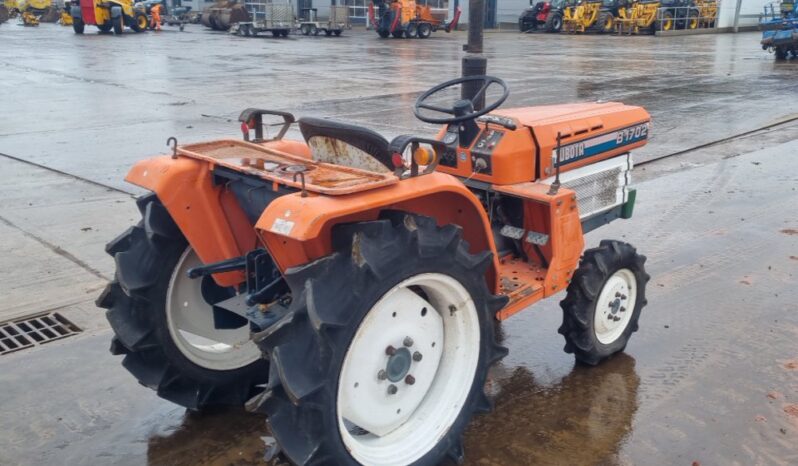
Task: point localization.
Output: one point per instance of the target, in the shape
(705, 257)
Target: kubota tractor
(350, 287)
(405, 18)
(545, 15)
(107, 15)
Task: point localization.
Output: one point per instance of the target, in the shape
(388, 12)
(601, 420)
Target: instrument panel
(482, 150)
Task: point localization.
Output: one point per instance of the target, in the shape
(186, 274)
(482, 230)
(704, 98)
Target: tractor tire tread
(308, 344)
(596, 266)
(144, 255)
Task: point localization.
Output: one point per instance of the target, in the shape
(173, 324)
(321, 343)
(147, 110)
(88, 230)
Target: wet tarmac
(711, 377)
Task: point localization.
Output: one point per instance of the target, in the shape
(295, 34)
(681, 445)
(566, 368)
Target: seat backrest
(346, 145)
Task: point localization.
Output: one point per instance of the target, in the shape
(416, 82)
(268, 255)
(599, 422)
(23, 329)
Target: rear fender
(208, 216)
(297, 230)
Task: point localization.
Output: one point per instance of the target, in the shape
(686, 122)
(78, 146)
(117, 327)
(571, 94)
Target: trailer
(277, 18)
(338, 21)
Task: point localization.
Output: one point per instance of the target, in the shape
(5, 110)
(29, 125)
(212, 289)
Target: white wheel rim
(190, 321)
(615, 306)
(381, 429)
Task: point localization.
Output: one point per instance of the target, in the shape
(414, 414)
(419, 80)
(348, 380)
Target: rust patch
(337, 177)
(795, 258)
(774, 395)
(792, 364)
(789, 231)
(791, 410)
(410, 223)
(357, 255)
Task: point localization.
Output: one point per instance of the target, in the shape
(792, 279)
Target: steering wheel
(463, 109)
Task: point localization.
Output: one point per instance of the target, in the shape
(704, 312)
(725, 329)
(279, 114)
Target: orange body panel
(558, 216)
(513, 158)
(576, 122)
(296, 229)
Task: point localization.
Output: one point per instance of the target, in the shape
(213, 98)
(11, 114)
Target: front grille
(599, 186)
(24, 333)
(596, 192)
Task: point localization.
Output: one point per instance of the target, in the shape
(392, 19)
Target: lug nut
(392, 389)
(410, 380)
(623, 296)
(623, 309)
(609, 317)
(408, 342)
(610, 304)
(616, 318)
(382, 375)
(617, 294)
(417, 356)
(390, 350)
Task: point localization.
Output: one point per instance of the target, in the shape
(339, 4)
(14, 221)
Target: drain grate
(32, 331)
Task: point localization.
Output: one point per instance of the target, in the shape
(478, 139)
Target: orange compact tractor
(406, 18)
(349, 287)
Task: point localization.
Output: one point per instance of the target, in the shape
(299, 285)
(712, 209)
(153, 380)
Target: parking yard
(711, 377)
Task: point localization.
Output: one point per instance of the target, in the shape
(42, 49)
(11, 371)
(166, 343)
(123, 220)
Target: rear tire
(398, 34)
(305, 30)
(150, 259)
(606, 22)
(337, 33)
(105, 27)
(78, 26)
(781, 53)
(424, 30)
(604, 300)
(667, 23)
(323, 350)
(139, 22)
(383, 34)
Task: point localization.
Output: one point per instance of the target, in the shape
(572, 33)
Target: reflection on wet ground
(583, 418)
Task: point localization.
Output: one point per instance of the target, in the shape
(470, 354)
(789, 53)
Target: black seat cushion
(358, 137)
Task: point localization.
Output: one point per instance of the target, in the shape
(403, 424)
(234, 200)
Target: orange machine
(406, 18)
(367, 274)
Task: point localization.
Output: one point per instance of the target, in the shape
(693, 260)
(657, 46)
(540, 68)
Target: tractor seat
(347, 145)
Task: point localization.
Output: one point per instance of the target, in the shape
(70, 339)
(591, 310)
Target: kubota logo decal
(606, 142)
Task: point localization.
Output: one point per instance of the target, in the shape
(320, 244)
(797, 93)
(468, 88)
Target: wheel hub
(615, 306)
(398, 365)
(408, 370)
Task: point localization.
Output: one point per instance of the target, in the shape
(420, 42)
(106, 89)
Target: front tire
(340, 390)
(554, 22)
(119, 24)
(604, 301)
(163, 324)
(77, 25)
